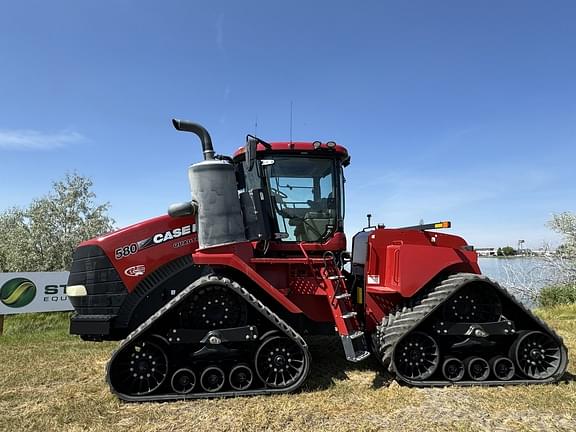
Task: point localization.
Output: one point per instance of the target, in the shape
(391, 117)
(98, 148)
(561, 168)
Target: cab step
(355, 347)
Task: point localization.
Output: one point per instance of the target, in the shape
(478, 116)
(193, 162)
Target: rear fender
(408, 268)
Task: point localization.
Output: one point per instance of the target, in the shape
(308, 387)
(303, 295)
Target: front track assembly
(214, 339)
(468, 330)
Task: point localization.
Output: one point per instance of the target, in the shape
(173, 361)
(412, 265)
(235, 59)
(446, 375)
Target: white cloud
(27, 139)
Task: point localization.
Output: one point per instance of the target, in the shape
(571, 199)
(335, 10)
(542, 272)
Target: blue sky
(459, 110)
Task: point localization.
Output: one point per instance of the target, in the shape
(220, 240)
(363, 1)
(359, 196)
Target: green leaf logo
(17, 292)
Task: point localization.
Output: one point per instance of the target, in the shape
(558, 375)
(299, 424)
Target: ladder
(347, 325)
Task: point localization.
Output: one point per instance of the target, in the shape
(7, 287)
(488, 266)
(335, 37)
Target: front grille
(106, 291)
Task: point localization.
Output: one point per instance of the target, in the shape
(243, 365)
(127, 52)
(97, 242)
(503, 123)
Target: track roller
(502, 368)
(183, 381)
(478, 369)
(241, 377)
(453, 369)
(212, 379)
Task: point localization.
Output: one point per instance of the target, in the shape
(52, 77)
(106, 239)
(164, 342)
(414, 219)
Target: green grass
(557, 295)
(50, 381)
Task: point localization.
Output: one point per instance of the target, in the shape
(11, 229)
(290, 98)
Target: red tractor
(216, 298)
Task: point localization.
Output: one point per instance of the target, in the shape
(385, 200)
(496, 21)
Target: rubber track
(173, 303)
(397, 324)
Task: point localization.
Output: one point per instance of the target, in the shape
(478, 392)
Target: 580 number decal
(125, 251)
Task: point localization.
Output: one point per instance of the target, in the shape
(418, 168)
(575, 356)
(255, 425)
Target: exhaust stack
(214, 190)
(201, 132)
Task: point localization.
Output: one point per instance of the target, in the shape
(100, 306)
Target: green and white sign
(33, 292)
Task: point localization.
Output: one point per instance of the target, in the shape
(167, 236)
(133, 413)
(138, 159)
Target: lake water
(523, 276)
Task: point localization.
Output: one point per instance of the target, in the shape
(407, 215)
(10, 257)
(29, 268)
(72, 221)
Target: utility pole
(520, 243)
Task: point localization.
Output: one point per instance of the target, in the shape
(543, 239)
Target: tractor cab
(300, 186)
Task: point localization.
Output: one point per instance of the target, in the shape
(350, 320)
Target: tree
(43, 236)
(565, 224)
(508, 251)
(564, 263)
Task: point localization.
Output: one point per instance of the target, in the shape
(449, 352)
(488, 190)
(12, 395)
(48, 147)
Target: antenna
(291, 103)
(256, 126)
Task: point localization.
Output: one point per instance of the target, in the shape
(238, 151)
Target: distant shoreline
(512, 256)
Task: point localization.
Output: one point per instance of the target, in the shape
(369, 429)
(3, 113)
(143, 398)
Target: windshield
(302, 191)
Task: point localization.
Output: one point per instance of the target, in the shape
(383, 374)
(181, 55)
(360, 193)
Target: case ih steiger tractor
(215, 298)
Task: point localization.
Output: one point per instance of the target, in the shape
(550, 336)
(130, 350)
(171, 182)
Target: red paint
(296, 147)
(401, 262)
(151, 258)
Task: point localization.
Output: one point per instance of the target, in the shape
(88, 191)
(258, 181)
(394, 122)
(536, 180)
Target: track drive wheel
(212, 307)
(476, 302)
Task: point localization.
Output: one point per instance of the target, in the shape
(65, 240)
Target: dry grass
(50, 381)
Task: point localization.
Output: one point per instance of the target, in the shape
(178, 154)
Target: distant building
(543, 252)
(486, 251)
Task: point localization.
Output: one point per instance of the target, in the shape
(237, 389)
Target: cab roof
(300, 147)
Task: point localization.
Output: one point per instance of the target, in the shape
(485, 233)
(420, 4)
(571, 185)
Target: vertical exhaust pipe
(201, 132)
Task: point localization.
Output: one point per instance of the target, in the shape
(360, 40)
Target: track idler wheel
(502, 368)
(280, 362)
(478, 369)
(241, 377)
(212, 379)
(417, 356)
(183, 381)
(141, 368)
(537, 355)
(453, 369)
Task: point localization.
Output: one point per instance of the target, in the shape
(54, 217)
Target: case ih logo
(156, 239)
(17, 292)
(135, 271)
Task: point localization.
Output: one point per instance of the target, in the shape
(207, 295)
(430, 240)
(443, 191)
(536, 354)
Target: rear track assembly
(468, 330)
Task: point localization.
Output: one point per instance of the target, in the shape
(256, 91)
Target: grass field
(50, 381)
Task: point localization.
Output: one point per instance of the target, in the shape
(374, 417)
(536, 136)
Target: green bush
(557, 294)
